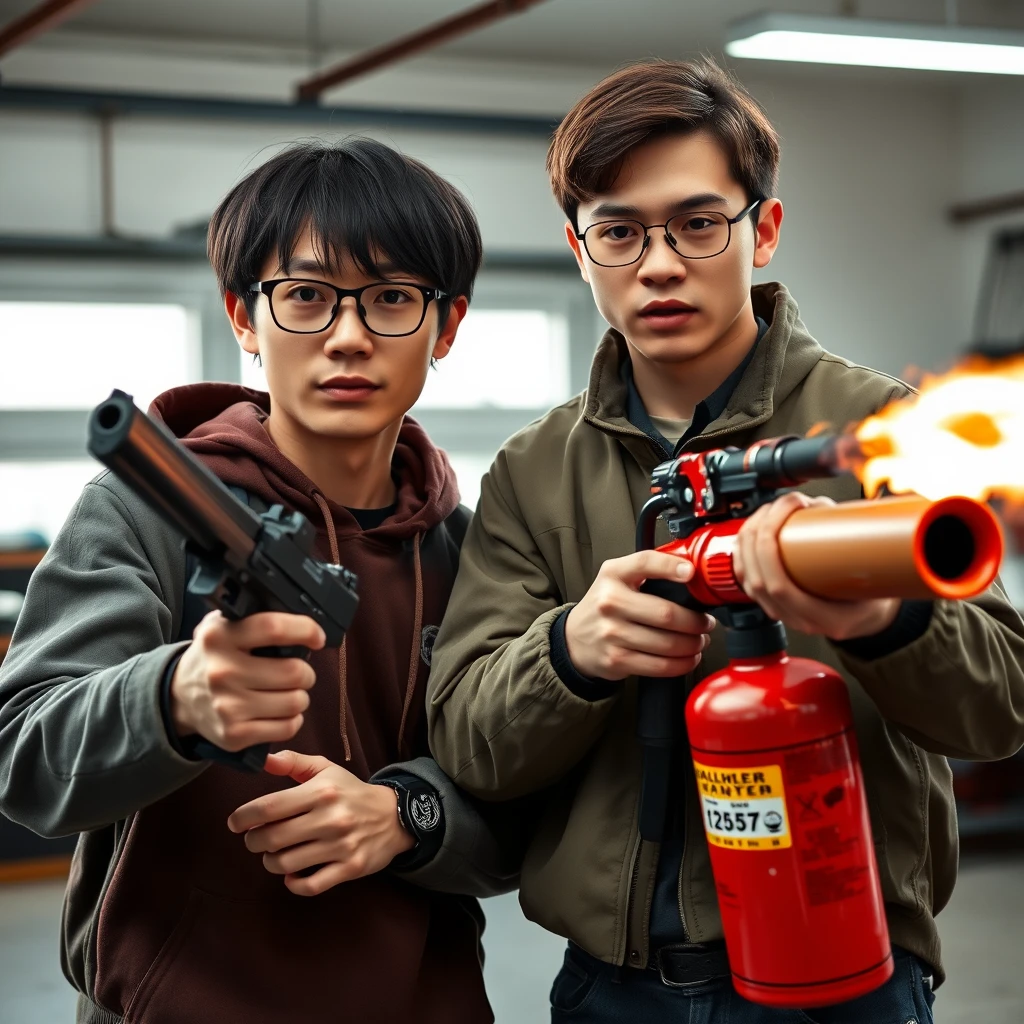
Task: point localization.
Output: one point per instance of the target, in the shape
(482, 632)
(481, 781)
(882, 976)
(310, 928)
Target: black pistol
(247, 563)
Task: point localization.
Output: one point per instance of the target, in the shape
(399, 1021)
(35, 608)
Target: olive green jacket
(561, 498)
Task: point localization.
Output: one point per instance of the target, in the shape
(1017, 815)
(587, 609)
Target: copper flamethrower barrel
(904, 546)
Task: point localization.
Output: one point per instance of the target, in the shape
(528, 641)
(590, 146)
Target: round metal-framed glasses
(697, 235)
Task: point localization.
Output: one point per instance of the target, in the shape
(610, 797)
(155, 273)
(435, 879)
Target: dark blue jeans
(587, 991)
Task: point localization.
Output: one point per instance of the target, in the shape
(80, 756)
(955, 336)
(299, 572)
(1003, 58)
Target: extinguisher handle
(656, 724)
(677, 593)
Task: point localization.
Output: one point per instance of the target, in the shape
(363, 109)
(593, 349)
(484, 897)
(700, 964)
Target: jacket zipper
(634, 872)
(636, 925)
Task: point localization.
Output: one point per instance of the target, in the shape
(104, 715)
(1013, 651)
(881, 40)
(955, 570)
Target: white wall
(992, 164)
(870, 166)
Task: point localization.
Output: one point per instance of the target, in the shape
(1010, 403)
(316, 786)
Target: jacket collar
(707, 411)
(780, 361)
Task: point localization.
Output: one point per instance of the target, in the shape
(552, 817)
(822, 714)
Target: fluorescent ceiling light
(879, 44)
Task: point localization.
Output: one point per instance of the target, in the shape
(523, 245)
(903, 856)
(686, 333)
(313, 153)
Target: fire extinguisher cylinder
(783, 806)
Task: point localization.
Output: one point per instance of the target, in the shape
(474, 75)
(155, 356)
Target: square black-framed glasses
(426, 293)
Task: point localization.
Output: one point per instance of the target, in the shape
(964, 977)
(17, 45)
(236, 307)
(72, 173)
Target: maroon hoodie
(245, 948)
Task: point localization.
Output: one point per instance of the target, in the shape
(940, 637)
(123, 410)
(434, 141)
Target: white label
(756, 821)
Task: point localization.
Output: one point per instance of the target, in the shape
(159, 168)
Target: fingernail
(684, 569)
(712, 623)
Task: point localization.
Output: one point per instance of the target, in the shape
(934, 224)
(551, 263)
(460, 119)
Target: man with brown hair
(667, 174)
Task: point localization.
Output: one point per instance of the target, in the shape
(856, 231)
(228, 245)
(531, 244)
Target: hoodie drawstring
(417, 629)
(332, 537)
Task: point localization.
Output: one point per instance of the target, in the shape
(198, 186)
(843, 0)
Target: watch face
(425, 812)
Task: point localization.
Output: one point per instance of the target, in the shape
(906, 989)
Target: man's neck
(673, 390)
(354, 473)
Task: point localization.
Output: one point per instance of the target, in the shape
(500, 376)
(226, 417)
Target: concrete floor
(981, 932)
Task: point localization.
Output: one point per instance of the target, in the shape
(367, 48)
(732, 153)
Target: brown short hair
(653, 98)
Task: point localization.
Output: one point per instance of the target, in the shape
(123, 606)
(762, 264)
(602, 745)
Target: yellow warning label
(744, 808)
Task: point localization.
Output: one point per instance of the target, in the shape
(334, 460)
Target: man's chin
(350, 425)
(674, 348)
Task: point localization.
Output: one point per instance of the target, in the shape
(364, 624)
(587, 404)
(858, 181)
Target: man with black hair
(667, 173)
(198, 893)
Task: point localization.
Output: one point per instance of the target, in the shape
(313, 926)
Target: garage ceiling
(572, 32)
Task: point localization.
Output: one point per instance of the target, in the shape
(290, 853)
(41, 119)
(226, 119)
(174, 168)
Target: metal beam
(203, 108)
(192, 248)
(103, 246)
(434, 35)
(991, 207)
(38, 21)
(32, 434)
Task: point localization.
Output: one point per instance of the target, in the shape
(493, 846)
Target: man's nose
(659, 260)
(348, 335)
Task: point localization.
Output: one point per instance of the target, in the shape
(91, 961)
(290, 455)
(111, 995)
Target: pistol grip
(252, 758)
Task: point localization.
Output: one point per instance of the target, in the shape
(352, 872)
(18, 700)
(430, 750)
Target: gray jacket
(83, 745)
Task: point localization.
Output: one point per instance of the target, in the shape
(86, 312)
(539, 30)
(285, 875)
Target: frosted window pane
(468, 470)
(67, 355)
(506, 359)
(39, 495)
(252, 373)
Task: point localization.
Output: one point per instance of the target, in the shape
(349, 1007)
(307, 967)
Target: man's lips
(667, 307)
(348, 388)
(667, 315)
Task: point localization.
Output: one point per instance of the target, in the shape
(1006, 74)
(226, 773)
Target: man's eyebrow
(702, 200)
(318, 269)
(304, 267)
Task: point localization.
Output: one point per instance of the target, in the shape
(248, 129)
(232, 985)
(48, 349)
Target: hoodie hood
(225, 424)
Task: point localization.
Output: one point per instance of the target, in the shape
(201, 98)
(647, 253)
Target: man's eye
(394, 297)
(619, 232)
(305, 294)
(698, 224)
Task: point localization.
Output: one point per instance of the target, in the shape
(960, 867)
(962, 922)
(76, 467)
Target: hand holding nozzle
(760, 569)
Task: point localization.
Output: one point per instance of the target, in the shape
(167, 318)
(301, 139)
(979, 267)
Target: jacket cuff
(911, 623)
(184, 746)
(581, 685)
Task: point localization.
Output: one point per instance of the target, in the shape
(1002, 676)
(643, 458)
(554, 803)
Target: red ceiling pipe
(442, 32)
(35, 22)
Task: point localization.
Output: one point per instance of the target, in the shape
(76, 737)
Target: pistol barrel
(170, 479)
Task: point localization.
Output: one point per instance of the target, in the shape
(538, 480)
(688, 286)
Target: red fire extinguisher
(772, 737)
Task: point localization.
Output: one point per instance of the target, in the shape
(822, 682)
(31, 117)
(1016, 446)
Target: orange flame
(962, 435)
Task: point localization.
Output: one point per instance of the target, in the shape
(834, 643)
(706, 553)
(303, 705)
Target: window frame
(552, 285)
(58, 434)
(557, 291)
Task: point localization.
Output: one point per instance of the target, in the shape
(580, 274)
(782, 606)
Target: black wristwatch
(420, 813)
